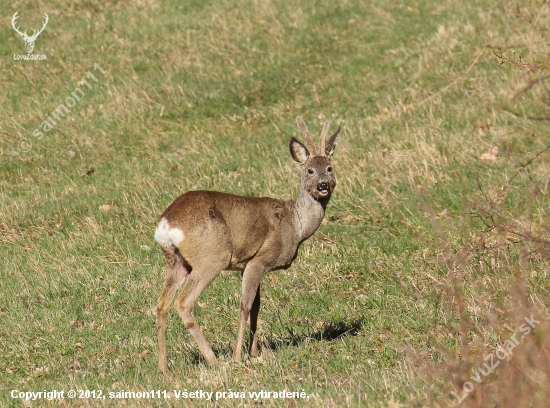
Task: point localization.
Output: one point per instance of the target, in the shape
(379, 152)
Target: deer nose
(322, 186)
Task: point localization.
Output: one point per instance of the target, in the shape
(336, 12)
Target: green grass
(203, 95)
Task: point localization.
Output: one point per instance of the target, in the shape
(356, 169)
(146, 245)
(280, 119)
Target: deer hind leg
(250, 295)
(198, 281)
(253, 349)
(177, 270)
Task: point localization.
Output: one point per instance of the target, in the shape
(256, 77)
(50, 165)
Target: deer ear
(331, 143)
(298, 151)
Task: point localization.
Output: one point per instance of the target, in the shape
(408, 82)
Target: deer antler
(15, 17)
(36, 34)
(303, 128)
(324, 134)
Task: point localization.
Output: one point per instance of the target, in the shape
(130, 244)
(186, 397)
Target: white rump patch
(167, 236)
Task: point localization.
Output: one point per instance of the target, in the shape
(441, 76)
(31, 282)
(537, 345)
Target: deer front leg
(250, 289)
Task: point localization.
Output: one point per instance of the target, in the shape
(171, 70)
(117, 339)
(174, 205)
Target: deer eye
(310, 171)
(329, 169)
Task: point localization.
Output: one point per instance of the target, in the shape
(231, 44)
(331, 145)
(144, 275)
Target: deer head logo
(29, 41)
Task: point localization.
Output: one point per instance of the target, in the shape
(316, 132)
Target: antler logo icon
(29, 41)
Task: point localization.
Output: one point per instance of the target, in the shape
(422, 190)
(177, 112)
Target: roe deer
(204, 232)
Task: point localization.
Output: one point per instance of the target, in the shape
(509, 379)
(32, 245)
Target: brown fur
(250, 234)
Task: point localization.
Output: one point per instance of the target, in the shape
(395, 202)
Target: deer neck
(308, 213)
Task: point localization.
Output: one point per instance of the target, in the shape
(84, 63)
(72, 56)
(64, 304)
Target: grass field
(436, 241)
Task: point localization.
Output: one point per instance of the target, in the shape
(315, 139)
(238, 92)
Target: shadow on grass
(333, 331)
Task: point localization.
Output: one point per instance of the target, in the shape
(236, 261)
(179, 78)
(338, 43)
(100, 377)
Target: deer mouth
(323, 190)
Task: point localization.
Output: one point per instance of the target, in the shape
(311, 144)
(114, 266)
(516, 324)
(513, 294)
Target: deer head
(317, 175)
(29, 41)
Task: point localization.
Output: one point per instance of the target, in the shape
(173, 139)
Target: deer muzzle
(323, 188)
